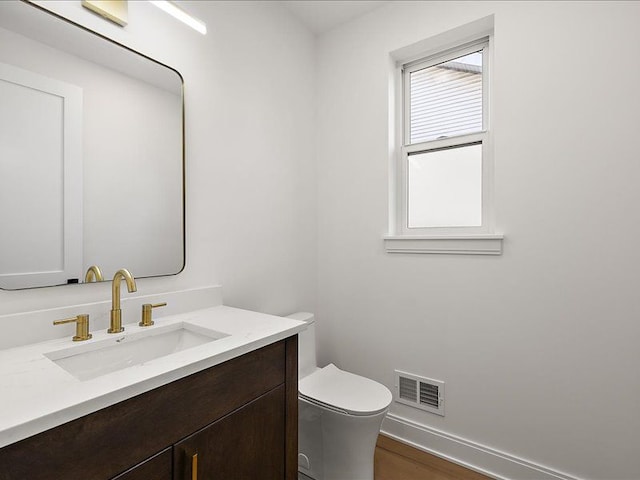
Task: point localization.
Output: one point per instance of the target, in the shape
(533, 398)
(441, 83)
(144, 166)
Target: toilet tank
(307, 362)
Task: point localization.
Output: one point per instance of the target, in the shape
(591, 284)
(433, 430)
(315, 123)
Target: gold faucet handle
(147, 313)
(82, 326)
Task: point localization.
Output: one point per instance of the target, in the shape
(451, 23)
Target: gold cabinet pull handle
(194, 467)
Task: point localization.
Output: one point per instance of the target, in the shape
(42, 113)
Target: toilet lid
(345, 391)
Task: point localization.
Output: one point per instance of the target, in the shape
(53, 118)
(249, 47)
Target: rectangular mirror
(91, 154)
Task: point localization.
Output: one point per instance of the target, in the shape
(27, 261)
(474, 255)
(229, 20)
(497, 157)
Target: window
(445, 133)
(443, 174)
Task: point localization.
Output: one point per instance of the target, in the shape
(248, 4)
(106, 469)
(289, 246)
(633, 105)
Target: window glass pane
(445, 187)
(446, 99)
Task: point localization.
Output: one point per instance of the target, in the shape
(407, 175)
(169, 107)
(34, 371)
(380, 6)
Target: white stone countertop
(36, 394)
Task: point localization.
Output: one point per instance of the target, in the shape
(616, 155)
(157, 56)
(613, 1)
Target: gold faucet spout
(94, 274)
(116, 313)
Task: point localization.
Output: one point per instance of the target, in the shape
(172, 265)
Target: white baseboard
(482, 459)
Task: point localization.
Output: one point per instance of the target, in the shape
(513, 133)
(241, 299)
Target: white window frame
(472, 240)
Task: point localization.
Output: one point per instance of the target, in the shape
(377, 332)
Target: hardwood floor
(396, 461)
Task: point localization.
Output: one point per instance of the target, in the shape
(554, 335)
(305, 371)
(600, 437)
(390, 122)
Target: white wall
(249, 89)
(538, 347)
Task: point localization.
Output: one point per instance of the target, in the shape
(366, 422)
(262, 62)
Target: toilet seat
(345, 392)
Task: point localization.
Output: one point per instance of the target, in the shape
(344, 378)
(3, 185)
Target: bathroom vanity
(225, 409)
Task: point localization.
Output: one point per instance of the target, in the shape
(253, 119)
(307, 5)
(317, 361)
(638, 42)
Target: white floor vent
(420, 392)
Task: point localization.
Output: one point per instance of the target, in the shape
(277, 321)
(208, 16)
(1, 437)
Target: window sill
(485, 244)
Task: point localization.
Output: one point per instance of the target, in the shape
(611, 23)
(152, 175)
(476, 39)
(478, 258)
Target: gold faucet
(94, 274)
(116, 313)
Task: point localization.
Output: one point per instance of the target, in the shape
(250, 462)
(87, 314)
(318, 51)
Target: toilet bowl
(339, 416)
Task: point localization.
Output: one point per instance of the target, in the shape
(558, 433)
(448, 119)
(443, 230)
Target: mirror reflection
(91, 155)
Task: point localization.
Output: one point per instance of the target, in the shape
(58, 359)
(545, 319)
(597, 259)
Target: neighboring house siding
(446, 100)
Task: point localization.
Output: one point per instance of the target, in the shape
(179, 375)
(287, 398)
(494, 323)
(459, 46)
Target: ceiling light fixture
(176, 12)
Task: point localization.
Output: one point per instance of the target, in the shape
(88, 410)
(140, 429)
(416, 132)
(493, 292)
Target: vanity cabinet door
(249, 443)
(158, 467)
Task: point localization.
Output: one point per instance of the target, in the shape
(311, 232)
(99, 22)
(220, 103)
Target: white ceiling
(322, 15)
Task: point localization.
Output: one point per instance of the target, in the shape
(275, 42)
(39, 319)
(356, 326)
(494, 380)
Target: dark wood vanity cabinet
(247, 444)
(239, 420)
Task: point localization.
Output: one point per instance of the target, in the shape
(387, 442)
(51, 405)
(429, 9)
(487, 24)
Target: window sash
(426, 147)
(451, 54)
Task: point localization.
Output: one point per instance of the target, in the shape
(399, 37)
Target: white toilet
(340, 415)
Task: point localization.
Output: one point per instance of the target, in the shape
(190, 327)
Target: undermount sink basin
(126, 350)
